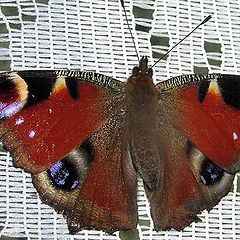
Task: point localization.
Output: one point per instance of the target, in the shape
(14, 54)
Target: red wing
(191, 183)
(105, 198)
(208, 114)
(46, 114)
(199, 125)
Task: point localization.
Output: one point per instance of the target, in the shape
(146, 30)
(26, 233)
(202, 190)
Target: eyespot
(210, 173)
(58, 186)
(64, 175)
(206, 171)
(212, 182)
(67, 173)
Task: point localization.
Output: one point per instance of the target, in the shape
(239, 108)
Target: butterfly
(86, 137)
(180, 136)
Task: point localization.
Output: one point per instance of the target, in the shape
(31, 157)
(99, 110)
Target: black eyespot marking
(88, 148)
(229, 86)
(6, 84)
(9, 96)
(188, 148)
(64, 175)
(40, 85)
(70, 172)
(202, 91)
(73, 87)
(210, 173)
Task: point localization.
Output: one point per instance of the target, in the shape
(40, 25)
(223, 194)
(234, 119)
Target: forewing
(47, 114)
(206, 109)
(198, 122)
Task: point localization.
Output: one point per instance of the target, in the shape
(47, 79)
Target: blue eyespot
(210, 173)
(64, 175)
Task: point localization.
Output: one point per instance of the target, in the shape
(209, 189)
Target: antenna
(204, 21)
(128, 25)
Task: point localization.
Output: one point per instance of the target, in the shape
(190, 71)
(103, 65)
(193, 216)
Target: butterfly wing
(54, 124)
(106, 197)
(46, 114)
(208, 113)
(199, 119)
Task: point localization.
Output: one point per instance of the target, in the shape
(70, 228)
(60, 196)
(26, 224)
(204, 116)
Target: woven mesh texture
(92, 35)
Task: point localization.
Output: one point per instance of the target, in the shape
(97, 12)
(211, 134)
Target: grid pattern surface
(92, 35)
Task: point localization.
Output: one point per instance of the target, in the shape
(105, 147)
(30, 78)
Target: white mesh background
(92, 35)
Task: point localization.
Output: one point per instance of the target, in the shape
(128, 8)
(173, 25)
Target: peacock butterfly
(181, 136)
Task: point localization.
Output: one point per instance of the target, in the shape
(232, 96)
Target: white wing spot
(19, 121)
(235, 136)
(32, 133)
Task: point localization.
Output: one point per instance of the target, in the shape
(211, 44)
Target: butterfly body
(143, 135)
(85, 137)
